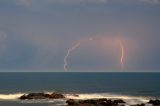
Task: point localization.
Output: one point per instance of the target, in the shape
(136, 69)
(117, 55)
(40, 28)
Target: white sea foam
(128, 99)
(14, 96)
(10, 96)
(55, 102)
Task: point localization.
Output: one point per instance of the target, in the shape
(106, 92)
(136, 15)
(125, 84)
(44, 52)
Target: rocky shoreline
(88, 102)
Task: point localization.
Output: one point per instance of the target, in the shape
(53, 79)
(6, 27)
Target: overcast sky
(36, 34)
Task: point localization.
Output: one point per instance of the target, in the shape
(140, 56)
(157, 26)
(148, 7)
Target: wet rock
(88, 101)
(155, 102)
(138, 104)
(119, 101)
(41, 96)
(71, 102)
(56, 96)
(93, 102)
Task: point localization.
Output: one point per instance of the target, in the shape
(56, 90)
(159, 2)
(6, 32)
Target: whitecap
(10, 96)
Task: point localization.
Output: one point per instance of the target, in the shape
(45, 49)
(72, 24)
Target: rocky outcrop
(41, 96)
(94, 102)
(139, 104)
(88, 102)
(154, 102)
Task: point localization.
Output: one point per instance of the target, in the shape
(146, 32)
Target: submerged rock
(41, 96)
(93, 102)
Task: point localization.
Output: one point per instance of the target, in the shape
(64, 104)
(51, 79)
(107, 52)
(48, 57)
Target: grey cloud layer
(45, 2)
(39, 40)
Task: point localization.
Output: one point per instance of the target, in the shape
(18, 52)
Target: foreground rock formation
(154, 102)
(88, 102)
(41, 96)
(138, 104)
(95, 102)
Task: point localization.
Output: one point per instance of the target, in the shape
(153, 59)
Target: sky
(35, 35)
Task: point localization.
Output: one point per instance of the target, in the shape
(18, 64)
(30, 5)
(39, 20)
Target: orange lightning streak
(71, 49)
(122, 54)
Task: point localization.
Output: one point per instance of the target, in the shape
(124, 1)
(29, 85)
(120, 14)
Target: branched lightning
(71, 49)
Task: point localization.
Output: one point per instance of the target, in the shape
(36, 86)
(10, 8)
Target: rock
(93, 102)
(41, 96)
(119, 101)
(138, 104)
(90, 101)
(22, 97)
(56, 96)
(154, 102)
(71, 102)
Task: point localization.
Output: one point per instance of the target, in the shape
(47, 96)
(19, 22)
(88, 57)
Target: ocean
(132, 87)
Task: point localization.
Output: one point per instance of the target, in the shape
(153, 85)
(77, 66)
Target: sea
(132, 87)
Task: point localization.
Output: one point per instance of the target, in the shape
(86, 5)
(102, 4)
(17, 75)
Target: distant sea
(129, 86)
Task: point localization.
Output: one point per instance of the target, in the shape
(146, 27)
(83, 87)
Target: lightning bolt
(71, 49)
(122, 54)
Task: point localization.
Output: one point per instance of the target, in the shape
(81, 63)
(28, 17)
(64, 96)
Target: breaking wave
(10, 96)
(128, 99)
